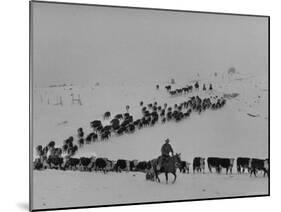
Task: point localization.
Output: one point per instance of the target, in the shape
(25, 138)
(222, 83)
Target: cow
(259, 165)
(133, 164)
(71, 163)
(55, 162)
(242, 163)
(184, 167)
(118, 116)
(81, 142)
(213, 162)
(37, 164)
(105, 135)
(91, 137)
(101, 164)
(219, 163)
(86, 164)
(95, 124)
(142, 166)
(198, 164)
(168, 87)
(122, 165)
(226, 163)
(106, 115)
(127, 108)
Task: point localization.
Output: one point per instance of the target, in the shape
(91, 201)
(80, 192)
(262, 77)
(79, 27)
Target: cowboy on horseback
(166, 149)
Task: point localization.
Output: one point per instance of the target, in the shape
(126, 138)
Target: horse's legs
(166, 175)
(175, 176)
(157, 177)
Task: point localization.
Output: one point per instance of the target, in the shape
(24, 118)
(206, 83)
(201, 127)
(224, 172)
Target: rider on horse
(165, 153)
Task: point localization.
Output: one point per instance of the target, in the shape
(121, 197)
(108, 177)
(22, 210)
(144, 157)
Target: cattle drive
(152, 113)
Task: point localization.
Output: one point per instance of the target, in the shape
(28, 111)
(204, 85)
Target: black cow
(242, 163)
(105, 135)
(72, 163)
(101, 164)
(220, 163)
(184, 167)
(37, 164)
(122, 165)
(133, 164)
(95, 124)
(86, 164)
(259, 165)
(142, 166)
(55, 162)
(81, 142)
(91, 137)
(118, 116)
(198, 164)
(106, 115)
(168, 87)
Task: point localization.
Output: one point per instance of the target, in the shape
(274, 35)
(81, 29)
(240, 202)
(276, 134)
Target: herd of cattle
(152, 113)
(186, 89)
(251, 165)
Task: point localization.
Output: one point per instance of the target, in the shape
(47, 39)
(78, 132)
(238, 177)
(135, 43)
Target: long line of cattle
(186, 89)
(252, 165)
(152, 113)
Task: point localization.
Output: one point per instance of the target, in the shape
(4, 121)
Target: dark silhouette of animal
(168, 87)
(118, 116)
(142, 166)
(86, 164)
(219, 163)
(55, 162)
(80, 133)
(72, 163)
(106, 115)
(259, 165)
(105, 135)
(242, 163)
(81, 142)
(184, 167)
(101, 164)
(51, 144)
(95, 124)
(198, 164)
(127, 108)
(122, 165)
(37, 164)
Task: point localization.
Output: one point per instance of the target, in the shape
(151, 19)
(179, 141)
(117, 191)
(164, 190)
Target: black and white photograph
(138, 105)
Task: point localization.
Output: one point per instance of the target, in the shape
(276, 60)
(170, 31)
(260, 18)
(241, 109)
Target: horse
(168, 166)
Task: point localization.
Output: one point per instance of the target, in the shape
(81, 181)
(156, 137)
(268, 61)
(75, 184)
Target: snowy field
(73, 189)
(238, 129)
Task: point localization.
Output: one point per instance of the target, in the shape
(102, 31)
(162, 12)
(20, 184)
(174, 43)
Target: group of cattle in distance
(185, 90)
(152, 113)
(252, 165)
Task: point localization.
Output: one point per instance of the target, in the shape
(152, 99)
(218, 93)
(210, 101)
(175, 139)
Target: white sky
(86, 44)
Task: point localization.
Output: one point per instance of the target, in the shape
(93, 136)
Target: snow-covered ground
(240, 128)
(72, 189)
